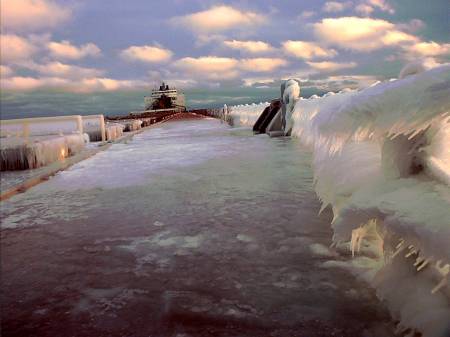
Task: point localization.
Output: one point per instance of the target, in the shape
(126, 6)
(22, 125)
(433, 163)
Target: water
(190, 229)
(44, 103)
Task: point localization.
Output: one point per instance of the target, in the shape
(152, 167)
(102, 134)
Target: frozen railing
(29, 143)
(41, 126)
(22, 153)
(94, 126)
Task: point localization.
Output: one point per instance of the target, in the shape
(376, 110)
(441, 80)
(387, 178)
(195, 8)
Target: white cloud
(382, 5)
(5, 71)
(66, 50)
(327, 66)
(262, 64)
(209, 67)
(307, 50)
(362, 34)
(412, 26)
(261, 81)
(15, 48)
(32, 15)
(21, 83)
(364, 9)
(367, 7)
(149, 54)
(306, 14)
(334, 6)
(249, 46)
(59, 69)
(429, 49)
(219, 18)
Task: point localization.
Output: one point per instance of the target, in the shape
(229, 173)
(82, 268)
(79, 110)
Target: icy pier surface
(190, 229)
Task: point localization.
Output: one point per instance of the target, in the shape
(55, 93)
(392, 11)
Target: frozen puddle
(190, 229)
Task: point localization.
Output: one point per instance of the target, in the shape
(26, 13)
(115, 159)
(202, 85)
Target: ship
(164, 98)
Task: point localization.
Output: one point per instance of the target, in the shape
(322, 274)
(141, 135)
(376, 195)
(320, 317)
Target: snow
(381, 160)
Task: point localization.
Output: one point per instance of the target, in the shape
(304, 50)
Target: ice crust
(381, 160)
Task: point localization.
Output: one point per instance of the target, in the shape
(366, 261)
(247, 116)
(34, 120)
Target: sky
(87, 46)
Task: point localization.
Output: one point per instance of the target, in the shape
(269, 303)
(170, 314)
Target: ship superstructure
(163, 98)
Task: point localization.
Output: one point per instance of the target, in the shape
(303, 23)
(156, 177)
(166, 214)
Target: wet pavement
(190, 229)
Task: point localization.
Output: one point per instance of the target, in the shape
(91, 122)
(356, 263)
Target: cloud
(334, 6)
(364, 9)
(59, 69)
(382, 5)
(339, 82)
(367, 7)
(21, 83)
(148, 54)
(412, 26)
(218, 18)
(67, 50)
(327, 66)
(262, 64)
(32, 15)
(361, 34)
(429, 49)
(14, 48)
(306, 14)
(307, 50)
(209, 67)
(253, 47)
(5, 71)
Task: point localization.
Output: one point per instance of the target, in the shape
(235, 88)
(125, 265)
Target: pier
(189, 228)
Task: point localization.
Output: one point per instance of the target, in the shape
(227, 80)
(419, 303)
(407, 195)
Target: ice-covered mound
(381, 159)
(246, 114)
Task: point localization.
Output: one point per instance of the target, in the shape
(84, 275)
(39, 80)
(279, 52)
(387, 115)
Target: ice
(18, 153)
(114, 131)
(381, 160)
(246, 114)
(94, 126)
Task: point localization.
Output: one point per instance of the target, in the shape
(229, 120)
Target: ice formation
(114, 131)
(245, 114)
(132, 125)
(33, 142)
(18, 153)
(381, 159)
(94, 126)
(41, 126)
(290, 91)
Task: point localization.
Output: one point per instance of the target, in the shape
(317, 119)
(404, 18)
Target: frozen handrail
(41, 126)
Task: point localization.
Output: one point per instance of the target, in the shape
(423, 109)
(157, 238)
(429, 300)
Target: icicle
(423, 265)
(419, 260)
(412, 252)
(440, 285)
(400, 244)
(357, 237)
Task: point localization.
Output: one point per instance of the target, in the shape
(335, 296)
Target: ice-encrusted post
(290, 93)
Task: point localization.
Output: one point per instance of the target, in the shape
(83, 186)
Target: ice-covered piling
(94, 126)
(114, 131)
